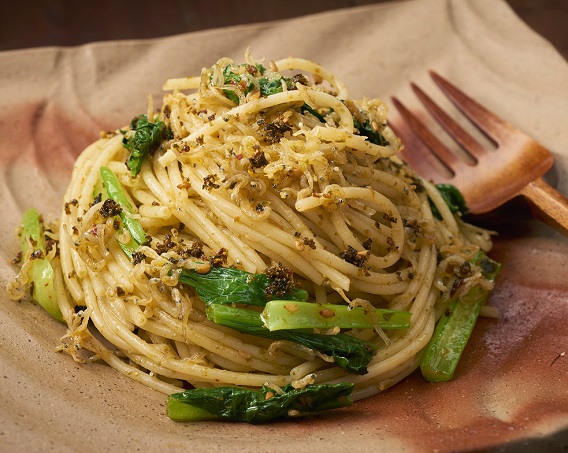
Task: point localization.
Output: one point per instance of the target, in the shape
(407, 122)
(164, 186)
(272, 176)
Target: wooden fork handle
(547, 204)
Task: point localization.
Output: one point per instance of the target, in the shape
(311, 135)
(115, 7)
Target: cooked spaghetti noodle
(250, 179)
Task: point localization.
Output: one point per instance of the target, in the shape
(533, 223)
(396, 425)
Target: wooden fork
(493, 177)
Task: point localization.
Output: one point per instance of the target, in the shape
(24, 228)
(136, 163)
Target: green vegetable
(41, 274)
(348, 352)
(221, 287)
(256, 406)
(280, 314)
(271, 86)
(454, 328)
(146, 139)
(230, 286)
(261, 69)
(367, 130)
(230, 78)
(32, 232)
(238, 318)
(307, 108)
(453, 198)
(116, 193)
(245, 83)
(43, 278)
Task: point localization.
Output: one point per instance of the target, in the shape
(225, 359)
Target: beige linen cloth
(55, 101)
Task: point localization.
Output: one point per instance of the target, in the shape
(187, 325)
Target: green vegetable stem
(41, 274)
(281, 314)
(256, 406)
(454, 328)
(116, 193)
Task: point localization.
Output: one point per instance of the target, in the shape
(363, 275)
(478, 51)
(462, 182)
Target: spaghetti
(255, 167)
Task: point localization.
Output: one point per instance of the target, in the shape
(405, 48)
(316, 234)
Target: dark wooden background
(36, 23)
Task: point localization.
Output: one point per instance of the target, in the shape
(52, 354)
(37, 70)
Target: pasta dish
(257, 232)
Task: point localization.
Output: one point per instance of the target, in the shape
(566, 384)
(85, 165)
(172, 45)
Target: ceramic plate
(510, 391)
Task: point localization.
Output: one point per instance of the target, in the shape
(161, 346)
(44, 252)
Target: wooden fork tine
(495, 127)
(467, 142)
(416, 154)
(445, 156)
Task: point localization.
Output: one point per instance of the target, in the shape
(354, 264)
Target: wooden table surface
(35, 23)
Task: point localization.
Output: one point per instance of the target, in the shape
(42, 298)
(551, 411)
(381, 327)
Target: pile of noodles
(251, 184)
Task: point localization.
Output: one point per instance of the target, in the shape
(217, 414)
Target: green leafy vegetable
(281, 314)
(221, 287)
(115, 192)
(241, 81)
(271, 86)
(453, 198)
(256, 406)
(307, 108)
(245, 82)
(146, 139)
(261, 69)
(232, 286)
(454, 328)
(348, 352)
(41, 273)
(367, 130)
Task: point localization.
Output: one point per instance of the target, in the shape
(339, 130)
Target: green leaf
(453, 198)
(223, 285)
(146, 139)
(349, 353)
(257, 406)
(245, 83)
(242, 82)
(314, 112)
(270, 86)
(367, 130)
(261, 69)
